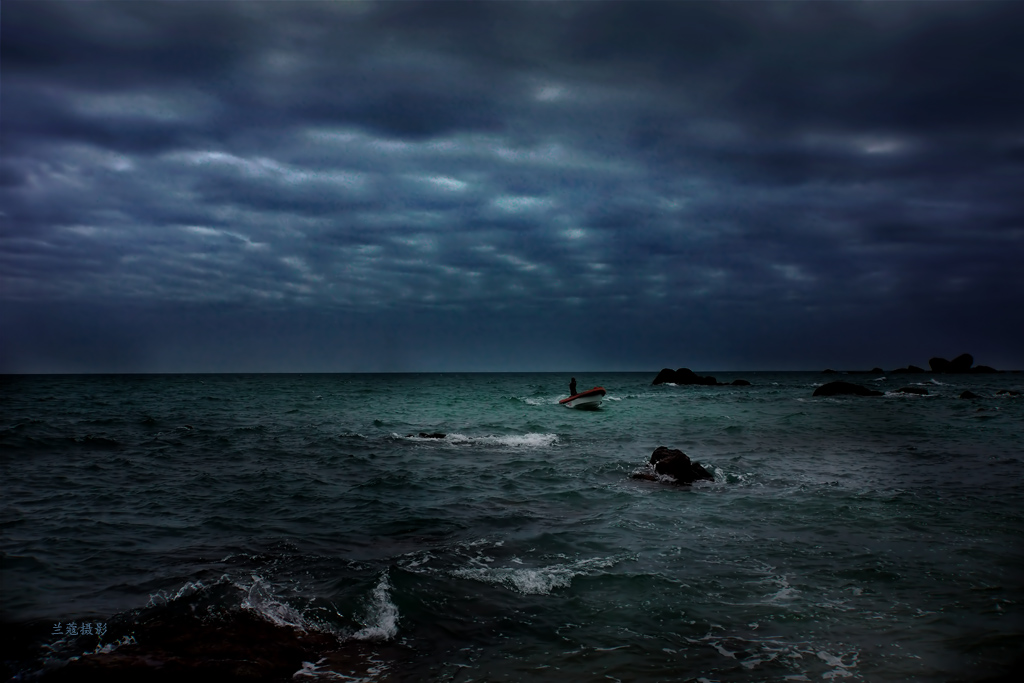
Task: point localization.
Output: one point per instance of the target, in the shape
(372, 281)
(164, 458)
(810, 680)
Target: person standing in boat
(572, 387)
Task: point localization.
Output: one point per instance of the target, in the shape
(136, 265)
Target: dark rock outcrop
(961, 363)
(740, 383)
(845, 389)
(431, 435)
(910, 369)
(676, 464)
(236, 647)
(1007, 392)
(969, 394)
(683, 376)
(921, 391)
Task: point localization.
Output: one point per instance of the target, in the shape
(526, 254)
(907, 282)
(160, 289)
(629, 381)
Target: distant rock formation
(676, 464)
(1007, 392)
(688, 376)
(683, 376)
(921, 391)
(969, 394)
(845, 389)
(960, 364)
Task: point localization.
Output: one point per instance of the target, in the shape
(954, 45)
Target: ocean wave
(260, 599)
(807, 658)
(535, 580)
(531, 440)
(535, 400)
(380, 621)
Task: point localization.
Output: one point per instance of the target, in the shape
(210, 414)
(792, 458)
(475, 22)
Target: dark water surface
(873, 539)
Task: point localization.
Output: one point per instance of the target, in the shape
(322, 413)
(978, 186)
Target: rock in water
(683, 376)
(913, 390)
(845, 389)
(938, 364)
(677, 464)
(961, 363)
(969, 394)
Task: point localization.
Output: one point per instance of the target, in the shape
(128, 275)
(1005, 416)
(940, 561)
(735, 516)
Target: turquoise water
(859, 538)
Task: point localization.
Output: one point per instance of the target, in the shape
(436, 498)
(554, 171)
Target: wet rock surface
(674, 463)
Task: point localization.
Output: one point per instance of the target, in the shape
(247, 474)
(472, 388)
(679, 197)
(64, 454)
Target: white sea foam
(162, 598)
(752, 652)
(534, 580)
(260, 598)
(510, 440)
(381, 619)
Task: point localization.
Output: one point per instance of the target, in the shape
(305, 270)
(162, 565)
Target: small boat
(587, 400)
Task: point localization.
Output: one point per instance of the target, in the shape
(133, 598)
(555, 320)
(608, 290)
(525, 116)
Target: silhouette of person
(572, 387)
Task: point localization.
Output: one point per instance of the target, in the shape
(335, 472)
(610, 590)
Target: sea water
(862, 538)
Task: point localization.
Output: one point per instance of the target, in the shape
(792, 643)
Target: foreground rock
(676, 464)
(845, 389)
(239, 647)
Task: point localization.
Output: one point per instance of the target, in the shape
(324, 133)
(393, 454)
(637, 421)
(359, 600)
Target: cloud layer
(506, 186)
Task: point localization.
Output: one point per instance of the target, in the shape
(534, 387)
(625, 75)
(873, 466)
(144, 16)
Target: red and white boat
(587, 400)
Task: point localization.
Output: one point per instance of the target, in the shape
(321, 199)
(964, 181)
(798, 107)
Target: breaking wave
(380, 621)
(535, 580)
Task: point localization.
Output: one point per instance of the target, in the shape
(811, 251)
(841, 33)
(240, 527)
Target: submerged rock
(676, 464)
(969, 394)
(845, 389)
(913, 390)
(425, 435)
(740, 383)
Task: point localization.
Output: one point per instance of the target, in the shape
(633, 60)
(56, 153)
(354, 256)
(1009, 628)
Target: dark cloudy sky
(424, 186)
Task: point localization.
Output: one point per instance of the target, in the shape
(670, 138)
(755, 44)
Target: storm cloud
(431, 186)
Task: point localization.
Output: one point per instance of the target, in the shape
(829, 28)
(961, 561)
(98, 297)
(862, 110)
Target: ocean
(297, 527)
